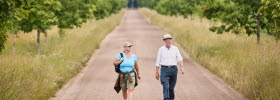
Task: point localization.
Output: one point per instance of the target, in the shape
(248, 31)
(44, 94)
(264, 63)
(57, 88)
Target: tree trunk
(38, 41)
(191, 17)
(201, 20)
(14, 44)
(61, 33)
(276, 31)
(46, 40)
(211, 23)
(268, 30)
(258, 28)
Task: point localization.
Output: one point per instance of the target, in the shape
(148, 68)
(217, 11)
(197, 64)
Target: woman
(129, 70)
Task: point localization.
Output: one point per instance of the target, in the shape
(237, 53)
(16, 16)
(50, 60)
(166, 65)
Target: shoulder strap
(121, 55)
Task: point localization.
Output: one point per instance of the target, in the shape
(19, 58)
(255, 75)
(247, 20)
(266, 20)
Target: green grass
(252, 69)
(29, 76)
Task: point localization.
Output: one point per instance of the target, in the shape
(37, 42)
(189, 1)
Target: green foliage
(41, 15)
(118, 5)
(171, 7)
(149, 3)
(242, 16)
(133, 3)
(11, 11)
(74, 13)
(29, 76)
(250, 69)
(28, 15)
(271, 10)
(106, 7)
(103, 8)
(237, 16)
(3, 38)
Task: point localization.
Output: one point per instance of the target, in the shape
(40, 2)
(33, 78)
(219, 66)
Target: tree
(11, 12)
(41, 17)
(73, 13)
(183, 8)
(133, 4)
(3, 38)
(117, 5)
(103, 8)
(149, 3)
(238, 16)
(271, 10)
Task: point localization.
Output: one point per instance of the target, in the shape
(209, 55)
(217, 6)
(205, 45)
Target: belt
(169, 66)
(128, 75)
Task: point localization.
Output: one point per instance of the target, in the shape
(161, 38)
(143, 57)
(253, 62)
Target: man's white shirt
(169, 56)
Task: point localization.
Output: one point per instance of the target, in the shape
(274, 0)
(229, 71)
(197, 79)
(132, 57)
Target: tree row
(237, 16)
(41, 15)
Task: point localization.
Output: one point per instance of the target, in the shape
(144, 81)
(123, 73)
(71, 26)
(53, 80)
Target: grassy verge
(28, 76)
(253, 70)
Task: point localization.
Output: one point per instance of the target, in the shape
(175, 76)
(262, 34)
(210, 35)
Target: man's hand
(182, 70)
(157, 72)
(181, 67)
(157, 75)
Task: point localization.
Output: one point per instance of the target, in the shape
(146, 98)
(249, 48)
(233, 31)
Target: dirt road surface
(96, 80)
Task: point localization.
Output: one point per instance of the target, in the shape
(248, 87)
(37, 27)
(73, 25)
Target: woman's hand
(117, 62)
(139, 77)
(121, 60)
(137, 70)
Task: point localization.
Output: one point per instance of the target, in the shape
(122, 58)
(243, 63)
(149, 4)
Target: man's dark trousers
(168, 78)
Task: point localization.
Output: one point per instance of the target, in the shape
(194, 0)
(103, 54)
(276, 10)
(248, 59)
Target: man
(167, 58)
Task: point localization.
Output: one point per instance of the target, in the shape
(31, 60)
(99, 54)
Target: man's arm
(158, 64)
(180, 61)
(157, 73)
(182, 67)
(158, 58)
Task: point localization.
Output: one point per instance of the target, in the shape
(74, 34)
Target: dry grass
(252, 69)
(28, 76)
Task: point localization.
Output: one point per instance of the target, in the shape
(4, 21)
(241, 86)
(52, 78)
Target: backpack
(117, 67)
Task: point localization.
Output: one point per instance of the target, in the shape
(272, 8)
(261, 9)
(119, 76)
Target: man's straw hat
(167, 36)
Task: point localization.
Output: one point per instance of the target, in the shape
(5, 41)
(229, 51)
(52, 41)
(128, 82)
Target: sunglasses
(128, 46)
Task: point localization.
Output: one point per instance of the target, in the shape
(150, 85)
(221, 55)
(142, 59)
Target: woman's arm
(117, 62)
(137, 70)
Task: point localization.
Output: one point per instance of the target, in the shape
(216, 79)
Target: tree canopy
(40, 15)
(237, 16)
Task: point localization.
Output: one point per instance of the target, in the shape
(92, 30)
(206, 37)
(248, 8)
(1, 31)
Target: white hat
(167, 36)
(127, 44)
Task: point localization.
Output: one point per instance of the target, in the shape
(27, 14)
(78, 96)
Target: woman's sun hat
(126, 44)
(167, 36)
